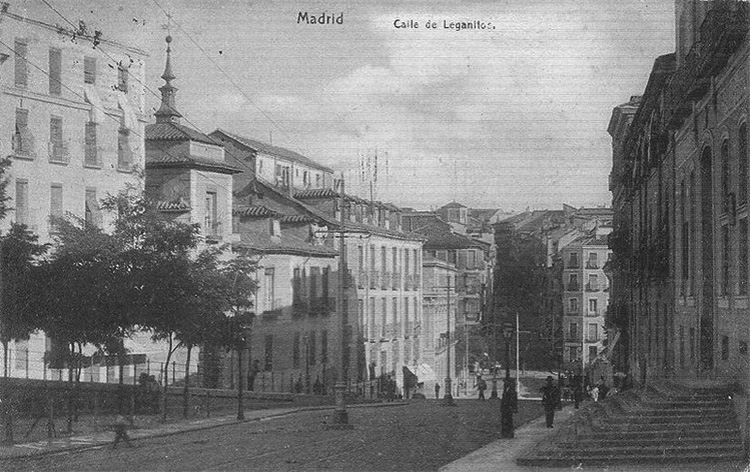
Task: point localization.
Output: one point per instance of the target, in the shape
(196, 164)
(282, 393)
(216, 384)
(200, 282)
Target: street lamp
(507, 334)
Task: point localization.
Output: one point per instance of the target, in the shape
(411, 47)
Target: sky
(513, 116)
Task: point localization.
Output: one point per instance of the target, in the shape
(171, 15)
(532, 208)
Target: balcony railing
(591, 287)
(273, 308)
(396, 280)
(592, 265)
(573, 288)
(385, 281)
(593, 312)
(374, 279)
(573, 265)
(362, 279)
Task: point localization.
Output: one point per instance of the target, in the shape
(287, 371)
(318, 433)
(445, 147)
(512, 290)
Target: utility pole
(340, 414)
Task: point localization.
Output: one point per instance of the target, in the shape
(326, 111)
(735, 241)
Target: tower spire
(167, 112)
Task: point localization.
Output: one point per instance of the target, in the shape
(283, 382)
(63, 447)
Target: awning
(425, 373)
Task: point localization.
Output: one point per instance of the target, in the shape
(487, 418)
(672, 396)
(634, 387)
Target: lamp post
(448, 398)
(507, 334)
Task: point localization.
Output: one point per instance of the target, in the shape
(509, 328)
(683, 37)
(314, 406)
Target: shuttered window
(56, 152)
(21, 49)
(23, 142)
(55, 204)
(55, 71)
(91, 157)
(89, 70)
(124, 153)
(22, 201)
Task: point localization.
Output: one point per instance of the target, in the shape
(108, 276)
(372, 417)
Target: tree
(18, 250)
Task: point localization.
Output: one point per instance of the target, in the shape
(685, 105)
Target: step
(724, 433)
(664, 443)
(717, 461)
(671, 419)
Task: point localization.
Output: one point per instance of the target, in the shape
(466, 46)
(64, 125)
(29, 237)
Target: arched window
(742, 155)
(725, 188)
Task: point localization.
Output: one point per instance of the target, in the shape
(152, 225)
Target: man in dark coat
(550, 400)
(508, 406)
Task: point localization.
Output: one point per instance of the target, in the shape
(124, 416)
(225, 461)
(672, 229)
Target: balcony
(396, 280)
(593, 339)
(273, 309)
(593, 313)
(374, 279)
(362, 279)
(592, 265)
(573, 288)
(592, 287)
(385, 281)
(573, 265)
(408, 282)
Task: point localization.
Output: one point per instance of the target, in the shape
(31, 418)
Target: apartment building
(585, 298)
(439, 310)
(75, 133)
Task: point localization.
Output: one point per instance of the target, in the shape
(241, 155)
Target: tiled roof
(177, 132)
(176, 206)
(183, 160)
(287, 244)
(328, 193)
(273, 150)
(297, 219)
(253, 210)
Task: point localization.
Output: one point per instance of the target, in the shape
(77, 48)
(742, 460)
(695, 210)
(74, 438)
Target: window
(362, 320)
(317, 180)
(325, 282)
(593, 306)
(593, 262)
(324, 346)
(685, 241)
(394, 253)
(91, 154)
(394, 304)
(573, 353)
(89, 70)
(725, 348)
(122, 78)
(56, 152)
(371, 318)
(269, 288)
(743, 272)
(295, 350)
(55, 71)
(56, 202)
(406, 316)
(92, 214)
(573, 305)
(593, 282)
(21, 48)
(691, 276)
(593, 332)
(743, 175)
(311, 348)
(573, 331)
(691, 334)
(682, 347)
(383, 316)
(471, 259)
(22, 201)
(296, 286)
(211, 224)
(124, 152)
(725, 184)
(573, 260)
(416, 309)
(22, 138)
(314, 282)
(592, 352)
(268, 351)
(383, 263)
(573, 283)
(725, 260)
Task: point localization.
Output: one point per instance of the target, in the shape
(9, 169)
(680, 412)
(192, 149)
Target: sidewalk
(502, 454)
(100, 439)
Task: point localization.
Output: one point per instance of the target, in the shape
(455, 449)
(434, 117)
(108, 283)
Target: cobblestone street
(419, 436)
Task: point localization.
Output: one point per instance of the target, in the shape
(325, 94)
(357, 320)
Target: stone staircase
(662, 424)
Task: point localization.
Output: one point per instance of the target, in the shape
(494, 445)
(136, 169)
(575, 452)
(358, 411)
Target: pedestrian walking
(550, 400)
(437, 390)
(121, 431)
(481, 386)
(508, 406)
